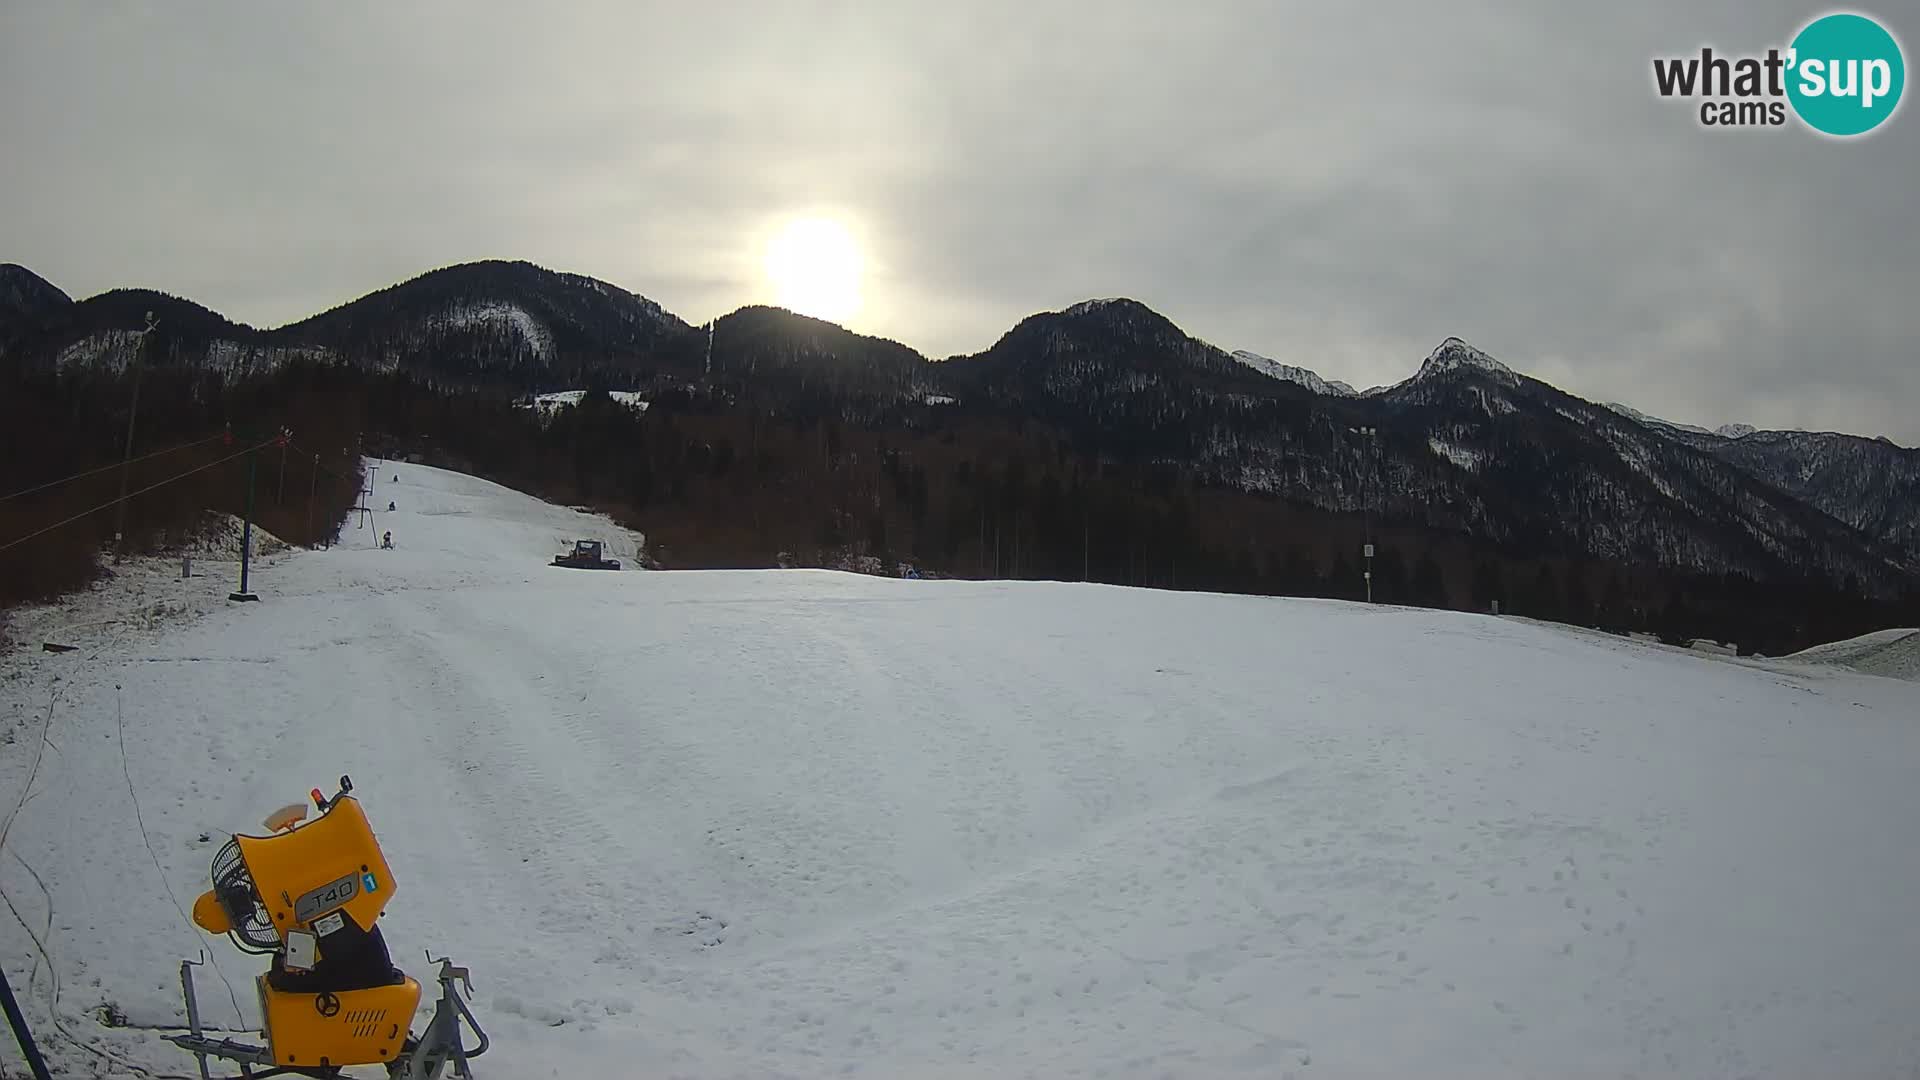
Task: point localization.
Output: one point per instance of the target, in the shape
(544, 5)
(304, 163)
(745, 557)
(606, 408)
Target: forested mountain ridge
(1091, 402)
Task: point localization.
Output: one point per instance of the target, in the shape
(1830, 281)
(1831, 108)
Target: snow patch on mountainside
(239, 360)
(1491, 403)
(108, 350)
(1465, 457)
(1635, 455)
(1289, 373)
(548, 403)
(112, 350)
(493, 312)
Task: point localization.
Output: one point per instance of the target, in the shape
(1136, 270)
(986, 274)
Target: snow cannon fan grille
(253, 929)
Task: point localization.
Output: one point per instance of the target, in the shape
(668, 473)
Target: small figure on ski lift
(386, 540)
(389, 504)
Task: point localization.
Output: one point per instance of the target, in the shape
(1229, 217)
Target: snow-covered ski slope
(1893, 653)
(813, 824)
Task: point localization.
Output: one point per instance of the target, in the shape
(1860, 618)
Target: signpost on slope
(313, 487)
(246, 537)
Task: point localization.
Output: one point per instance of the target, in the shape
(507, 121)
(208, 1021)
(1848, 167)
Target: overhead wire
(39, 944)
(104, 468)
(316, 461)
(120, 721)
(111, 502)
(6, 827)
(53, 1010)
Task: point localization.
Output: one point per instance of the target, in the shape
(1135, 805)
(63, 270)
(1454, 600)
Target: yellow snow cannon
(308, 895)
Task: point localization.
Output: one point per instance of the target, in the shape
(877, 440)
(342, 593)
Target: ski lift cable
(316, 461)
(120, 721)
(104, 468)
(111, 502)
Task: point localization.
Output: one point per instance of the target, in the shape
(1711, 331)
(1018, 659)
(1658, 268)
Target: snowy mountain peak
(1454, 354)
(1090, 307)
(1292, 374)
(1725, 431)
(1120, 312)
(1632, 413)
(1114, 317)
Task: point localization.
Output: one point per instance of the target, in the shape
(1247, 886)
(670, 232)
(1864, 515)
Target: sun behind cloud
(814, 267)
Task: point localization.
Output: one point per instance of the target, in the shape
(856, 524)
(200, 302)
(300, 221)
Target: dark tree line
(965, 495)
(54, 427)
(719, 476)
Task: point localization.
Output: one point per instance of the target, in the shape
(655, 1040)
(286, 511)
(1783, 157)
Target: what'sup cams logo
(1842, 75)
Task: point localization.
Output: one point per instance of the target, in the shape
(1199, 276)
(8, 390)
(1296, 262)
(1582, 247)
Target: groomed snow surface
(813, 824)
(1893, 653)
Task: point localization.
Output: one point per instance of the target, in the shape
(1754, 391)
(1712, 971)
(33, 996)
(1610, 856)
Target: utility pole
(1369, 437)
(280, 496)
(363, 510)
(21, 1033)
(246, 536)
(313, 486)
(126, 457)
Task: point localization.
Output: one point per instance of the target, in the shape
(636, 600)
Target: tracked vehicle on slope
(586, 555)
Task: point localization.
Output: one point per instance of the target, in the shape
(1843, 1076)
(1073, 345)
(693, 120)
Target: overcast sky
(1338, 186)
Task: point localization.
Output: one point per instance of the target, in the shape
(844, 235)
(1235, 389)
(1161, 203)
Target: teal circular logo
(1845, 74)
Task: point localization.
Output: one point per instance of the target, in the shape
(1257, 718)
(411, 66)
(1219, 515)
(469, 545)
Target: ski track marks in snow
(810, 824)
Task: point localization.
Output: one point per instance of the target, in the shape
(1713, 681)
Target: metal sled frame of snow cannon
(308, 896)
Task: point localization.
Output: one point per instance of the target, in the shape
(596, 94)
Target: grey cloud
(1338, 186)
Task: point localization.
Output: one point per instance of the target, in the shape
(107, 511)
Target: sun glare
(814, 268)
